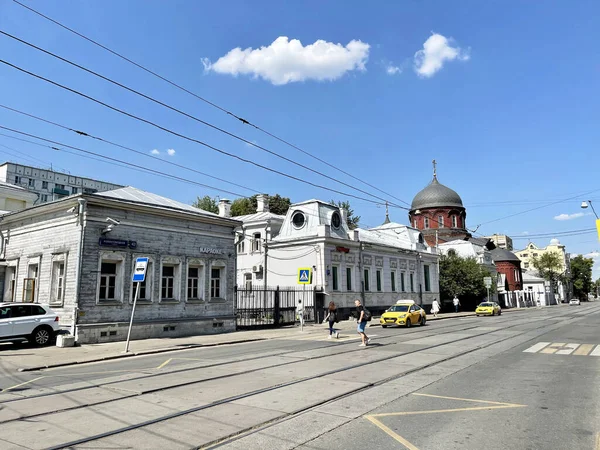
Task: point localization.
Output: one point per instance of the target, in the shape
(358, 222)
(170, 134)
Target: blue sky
(504, 95)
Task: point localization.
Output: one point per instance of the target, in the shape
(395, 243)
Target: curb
(132, 354)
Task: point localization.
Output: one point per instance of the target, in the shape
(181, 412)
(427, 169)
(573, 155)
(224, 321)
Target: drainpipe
(81, 219)
(361, 273)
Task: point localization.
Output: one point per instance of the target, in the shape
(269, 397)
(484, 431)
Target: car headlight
(402, 316)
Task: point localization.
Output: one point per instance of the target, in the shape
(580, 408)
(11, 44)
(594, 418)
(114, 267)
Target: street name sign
(304, 275)
(139, 273)
(487, 281)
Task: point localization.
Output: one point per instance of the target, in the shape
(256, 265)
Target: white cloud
(170, 152)
(155, 152)
(286, 61)
(393, 70)
(569, 216)
(436, 51)
(593, 255)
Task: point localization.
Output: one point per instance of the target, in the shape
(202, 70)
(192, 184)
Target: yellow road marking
(597, 442)
(373, 418)
(391, 433)
(468, 400)
(553, 348)
(165, 363)
(584, 349)
(22, 384)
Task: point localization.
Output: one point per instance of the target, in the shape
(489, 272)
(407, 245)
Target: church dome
(436, 195)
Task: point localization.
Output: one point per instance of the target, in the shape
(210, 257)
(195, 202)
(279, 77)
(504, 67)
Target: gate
(257, 307)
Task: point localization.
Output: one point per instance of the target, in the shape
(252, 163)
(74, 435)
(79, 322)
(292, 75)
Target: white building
(50, 185)
(15, 198)
(379, 265)
(536, 286)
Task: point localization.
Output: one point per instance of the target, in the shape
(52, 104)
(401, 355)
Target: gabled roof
(531, 277)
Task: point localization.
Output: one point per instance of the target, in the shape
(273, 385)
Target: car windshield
(486, 304)
(399, 308)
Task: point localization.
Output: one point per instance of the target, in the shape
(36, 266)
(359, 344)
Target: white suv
(36, 323)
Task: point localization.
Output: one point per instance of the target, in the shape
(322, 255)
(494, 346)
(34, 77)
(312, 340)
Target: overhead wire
(190, 116)
(84, 134)
(197, 141)
(213, 104)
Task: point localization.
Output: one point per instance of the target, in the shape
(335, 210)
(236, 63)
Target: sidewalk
(27, 358)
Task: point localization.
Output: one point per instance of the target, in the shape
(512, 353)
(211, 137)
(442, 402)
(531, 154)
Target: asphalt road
(491, 382)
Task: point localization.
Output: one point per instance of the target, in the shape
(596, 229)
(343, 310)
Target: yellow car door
(415, 315)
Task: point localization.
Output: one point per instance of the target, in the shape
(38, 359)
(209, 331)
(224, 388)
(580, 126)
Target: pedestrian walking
(332, 318)
(362, 317)
(300, 313)
(435, 307)
(456, 303)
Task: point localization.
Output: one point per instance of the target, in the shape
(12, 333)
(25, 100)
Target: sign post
(139, 275)
(304, 278)
(488, 284)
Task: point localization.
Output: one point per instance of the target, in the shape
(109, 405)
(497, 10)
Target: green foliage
(549, 266)
(352, 219)
(463, 277)
(581, 276)
(247, 205)
(207, 203)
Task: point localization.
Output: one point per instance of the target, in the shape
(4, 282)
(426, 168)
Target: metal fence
(257, 307)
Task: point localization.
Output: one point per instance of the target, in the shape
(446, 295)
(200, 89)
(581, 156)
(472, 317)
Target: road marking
(535, 348)
(568, 349)
(561, 348)
(553, 348)
(583, 350)
(391, 433)
(374, 418)
(22, 384)
(165, 363)
(597, 442)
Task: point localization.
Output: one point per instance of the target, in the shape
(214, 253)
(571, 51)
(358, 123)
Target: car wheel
(383, 326)
(408, 324)
(499, 313)
(423, 320)
(493, 313)
(41, 336)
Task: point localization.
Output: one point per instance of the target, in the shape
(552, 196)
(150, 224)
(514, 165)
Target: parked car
(36, 323)
(403, 313)
(488, 309)
(575, 301)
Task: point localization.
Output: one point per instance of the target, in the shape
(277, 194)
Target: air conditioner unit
(257, 269)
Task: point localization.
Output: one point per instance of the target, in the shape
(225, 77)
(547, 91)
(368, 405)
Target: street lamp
(584, 205)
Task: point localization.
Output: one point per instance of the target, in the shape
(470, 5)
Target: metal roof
(259, 217)
(500, 254)
(436, 195)
(134, 195)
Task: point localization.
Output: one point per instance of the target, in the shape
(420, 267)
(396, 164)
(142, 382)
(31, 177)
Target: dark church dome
(436, 195)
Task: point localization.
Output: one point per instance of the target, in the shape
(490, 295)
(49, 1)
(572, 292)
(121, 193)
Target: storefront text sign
(212, 251)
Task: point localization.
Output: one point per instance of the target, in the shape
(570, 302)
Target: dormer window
(298, 220)
(336, 220)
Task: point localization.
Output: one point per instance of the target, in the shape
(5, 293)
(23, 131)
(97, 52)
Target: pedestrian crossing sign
(304, 276)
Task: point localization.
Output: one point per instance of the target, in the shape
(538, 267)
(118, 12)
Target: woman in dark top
(332, 319)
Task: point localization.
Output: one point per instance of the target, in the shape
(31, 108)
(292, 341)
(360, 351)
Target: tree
(596, 288)
(550, 267)
(581, 276)
(207, 203)
(462, 277)
(247, 205)
(352, 220)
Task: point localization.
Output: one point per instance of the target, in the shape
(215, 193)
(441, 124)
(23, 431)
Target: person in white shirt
(435, 308)
(456, 303)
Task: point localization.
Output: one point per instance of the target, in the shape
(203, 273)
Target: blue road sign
(304, 276)
(139, 273)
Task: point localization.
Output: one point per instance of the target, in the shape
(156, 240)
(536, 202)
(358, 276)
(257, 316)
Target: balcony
(60, 191)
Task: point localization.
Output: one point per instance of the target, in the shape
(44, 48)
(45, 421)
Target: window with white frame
(30, 284)
(195, 280)
(402, 282)
(57, 284)
(393, 280)
(256, 243)
(335, 277)
(44, 185)
(426, 222)
(241, 248)
(31, 182)
(440, 221)
(248, 281)
(454, 222)
(10, 283)
(412, 282)
(367, 274)
(17, 179)
(349, 285)
(378, 280)
(218, 288)
(44, 197)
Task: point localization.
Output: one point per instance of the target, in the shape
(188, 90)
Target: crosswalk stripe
(583, 349)
(552, 348)
(535, 348)
(596, 352)
(568, 349)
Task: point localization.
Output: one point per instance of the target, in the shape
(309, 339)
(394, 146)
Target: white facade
(50, 185)
(15, 198)
(536, 286)
(379, 265)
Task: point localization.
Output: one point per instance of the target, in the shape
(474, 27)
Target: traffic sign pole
(137, 293)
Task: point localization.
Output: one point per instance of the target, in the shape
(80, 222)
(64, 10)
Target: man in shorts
(361, 319)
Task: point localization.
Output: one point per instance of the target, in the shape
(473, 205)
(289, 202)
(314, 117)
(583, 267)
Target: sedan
(403, 314)
(575, 301)
(488, 309)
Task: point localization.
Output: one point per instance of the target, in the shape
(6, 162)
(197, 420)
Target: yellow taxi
(488, 309)
(404, 313)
